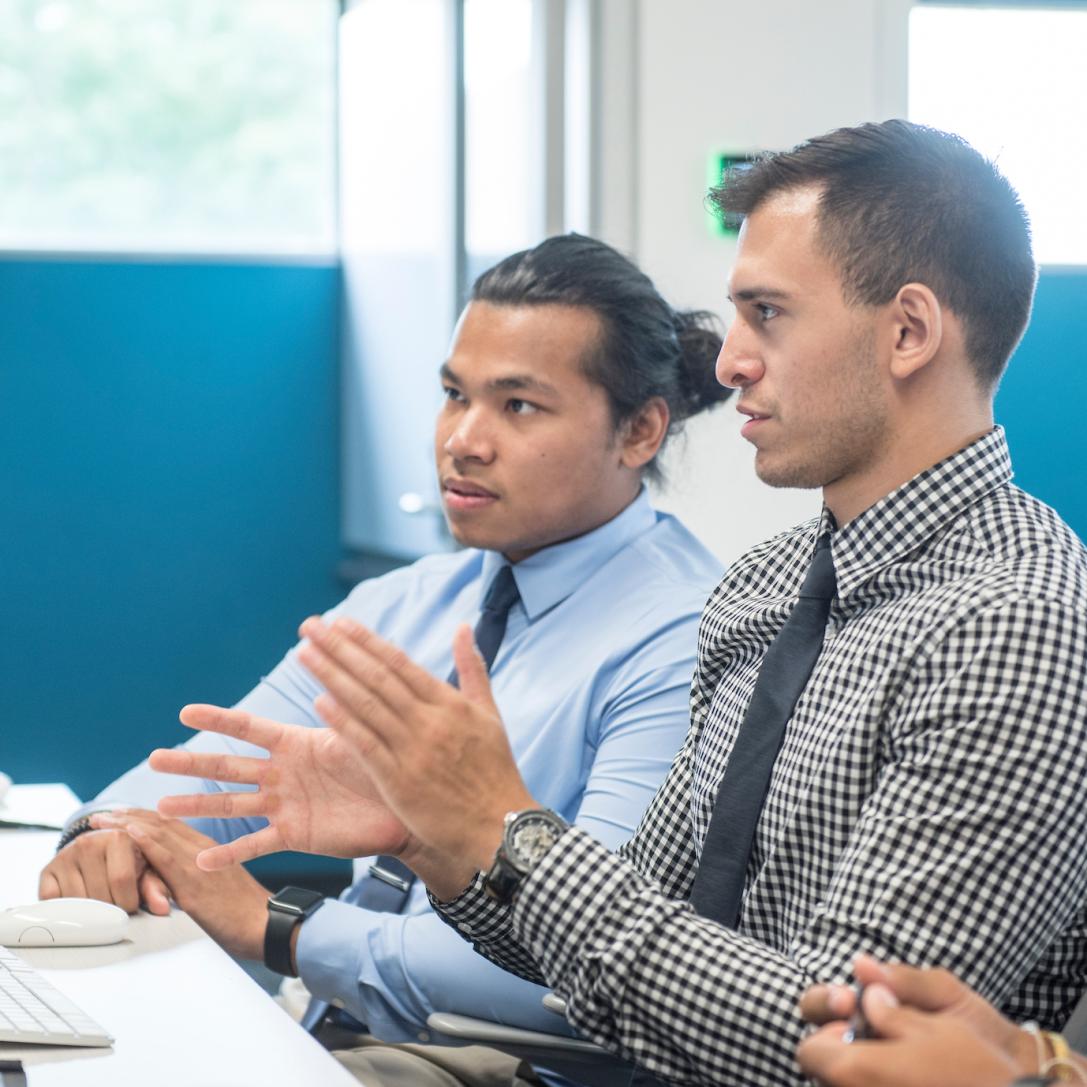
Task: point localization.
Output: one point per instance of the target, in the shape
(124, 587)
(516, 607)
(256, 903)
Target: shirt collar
(910, 515)
(552, 574)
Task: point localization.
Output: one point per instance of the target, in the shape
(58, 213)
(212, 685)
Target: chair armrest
(464, 1028)
(583, 1062)
(1075, 1030)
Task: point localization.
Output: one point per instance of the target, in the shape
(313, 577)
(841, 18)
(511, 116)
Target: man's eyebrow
(507, 383)
(522, 382)
(749, 294)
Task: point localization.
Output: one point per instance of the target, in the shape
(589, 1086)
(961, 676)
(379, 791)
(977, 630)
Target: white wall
(721, 75)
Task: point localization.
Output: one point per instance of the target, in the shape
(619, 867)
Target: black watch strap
(287, 909)
(501, 880)
(277, 941)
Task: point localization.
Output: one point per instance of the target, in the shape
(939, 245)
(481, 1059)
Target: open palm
(313, 788)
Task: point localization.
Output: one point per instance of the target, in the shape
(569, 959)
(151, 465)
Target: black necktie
(491, 628)
(387, 884)
(719, 882)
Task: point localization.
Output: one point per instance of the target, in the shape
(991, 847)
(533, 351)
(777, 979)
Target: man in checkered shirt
(927, 803)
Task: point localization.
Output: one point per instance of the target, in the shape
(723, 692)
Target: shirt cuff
(327, 962)
(566, 900)
(473, 913)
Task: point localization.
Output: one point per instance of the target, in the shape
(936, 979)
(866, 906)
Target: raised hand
(438, 756)
(313, 788)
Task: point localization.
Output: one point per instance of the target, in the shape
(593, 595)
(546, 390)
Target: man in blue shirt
(566, 375)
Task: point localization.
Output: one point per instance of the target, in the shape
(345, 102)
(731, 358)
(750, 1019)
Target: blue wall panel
(1043, 398)
(170, 486)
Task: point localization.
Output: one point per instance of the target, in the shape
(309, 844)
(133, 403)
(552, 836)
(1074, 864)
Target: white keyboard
(32, 1011)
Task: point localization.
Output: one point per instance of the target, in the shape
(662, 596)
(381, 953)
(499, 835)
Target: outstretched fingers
(375, 683)
(246, 848)
(474, 682)
(354, 646)
(237, 769)
(219, 805)
(261, 731)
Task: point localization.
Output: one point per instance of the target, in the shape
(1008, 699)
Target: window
(454, 116)
(1013, 82)
(502, 160)
(168, 126)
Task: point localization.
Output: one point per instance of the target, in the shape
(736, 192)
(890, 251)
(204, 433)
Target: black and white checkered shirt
(929, 803)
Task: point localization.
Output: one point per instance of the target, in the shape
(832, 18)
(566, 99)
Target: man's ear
(917, 327)
(641, 435)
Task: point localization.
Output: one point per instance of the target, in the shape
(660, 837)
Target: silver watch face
(530, 836)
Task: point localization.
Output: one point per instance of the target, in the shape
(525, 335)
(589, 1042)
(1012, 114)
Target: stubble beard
(839, 446)
(841, 449)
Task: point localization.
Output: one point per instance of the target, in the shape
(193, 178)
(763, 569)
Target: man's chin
(474, 536)
(798, 477)
(513, 549)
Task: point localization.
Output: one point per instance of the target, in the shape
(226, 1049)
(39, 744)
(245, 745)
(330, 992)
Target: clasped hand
(409, 765)
(931, 1031)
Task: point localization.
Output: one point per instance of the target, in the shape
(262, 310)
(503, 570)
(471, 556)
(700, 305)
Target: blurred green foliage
(162, 124)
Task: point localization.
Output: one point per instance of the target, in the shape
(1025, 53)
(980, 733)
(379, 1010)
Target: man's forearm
(712, 1006)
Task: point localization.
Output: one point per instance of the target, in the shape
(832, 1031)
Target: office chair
(583, 1061)
(1075, 1030)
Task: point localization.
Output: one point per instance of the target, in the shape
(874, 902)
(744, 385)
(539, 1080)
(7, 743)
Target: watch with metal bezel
(526, 838)
(287, 909)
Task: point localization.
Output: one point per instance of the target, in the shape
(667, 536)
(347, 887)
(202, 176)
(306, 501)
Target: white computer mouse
(62, 922)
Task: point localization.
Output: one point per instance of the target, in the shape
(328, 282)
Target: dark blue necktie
(386, 886)
(491, 628)
(718, 886)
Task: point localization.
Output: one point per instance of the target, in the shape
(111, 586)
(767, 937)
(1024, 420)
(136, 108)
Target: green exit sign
(718, 165)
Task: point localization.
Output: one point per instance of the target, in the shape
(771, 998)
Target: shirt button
(423, 1036)
(466, 929)
(337, 1003)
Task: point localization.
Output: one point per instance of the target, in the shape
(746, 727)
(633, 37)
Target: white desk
(182, 1011)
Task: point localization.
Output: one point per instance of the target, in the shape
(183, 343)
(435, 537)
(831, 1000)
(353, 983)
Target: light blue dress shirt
(592, 680)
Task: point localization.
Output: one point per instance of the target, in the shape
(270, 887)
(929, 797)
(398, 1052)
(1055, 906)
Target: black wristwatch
(526, 838)
(1033, 1081)
(287, 909)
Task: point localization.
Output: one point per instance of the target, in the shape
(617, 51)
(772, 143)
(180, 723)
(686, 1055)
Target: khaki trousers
(379, 1064)
(382, 1064)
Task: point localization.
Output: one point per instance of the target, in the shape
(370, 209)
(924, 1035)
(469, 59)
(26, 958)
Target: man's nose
(738, 362)
(471, 438)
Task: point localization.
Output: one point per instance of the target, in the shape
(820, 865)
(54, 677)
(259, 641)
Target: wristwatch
(287, 909)
(1033, 1081)
(526, 838)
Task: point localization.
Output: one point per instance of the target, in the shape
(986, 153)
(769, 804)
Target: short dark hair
(646, 348)
(904, 203)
